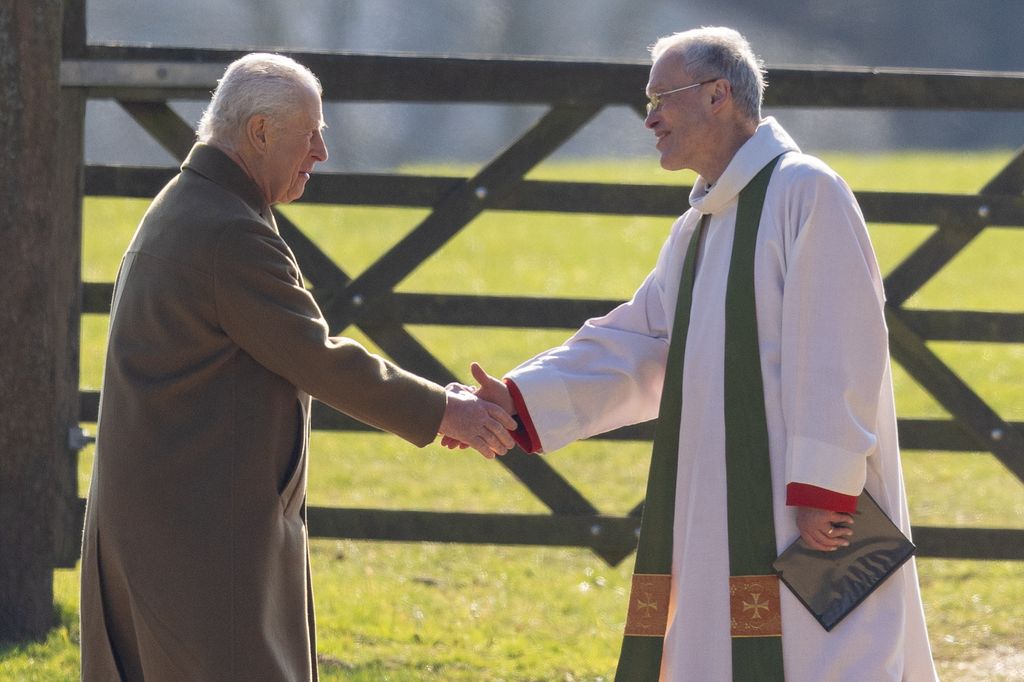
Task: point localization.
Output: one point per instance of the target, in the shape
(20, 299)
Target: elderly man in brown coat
(195, 564)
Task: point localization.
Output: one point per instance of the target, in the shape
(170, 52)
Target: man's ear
(256, 130)
(721, 93)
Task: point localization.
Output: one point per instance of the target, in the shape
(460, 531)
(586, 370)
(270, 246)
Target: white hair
(719, 52)
(256, 84)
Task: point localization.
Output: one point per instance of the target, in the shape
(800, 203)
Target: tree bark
(40, 186)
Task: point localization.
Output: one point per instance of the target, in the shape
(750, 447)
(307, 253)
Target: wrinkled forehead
(668, 71)
(306, 110)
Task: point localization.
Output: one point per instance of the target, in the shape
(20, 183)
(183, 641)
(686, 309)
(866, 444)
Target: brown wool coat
(194, 561)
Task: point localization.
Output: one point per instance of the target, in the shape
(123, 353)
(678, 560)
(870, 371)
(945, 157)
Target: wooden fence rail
(159, 74)
(144, 80)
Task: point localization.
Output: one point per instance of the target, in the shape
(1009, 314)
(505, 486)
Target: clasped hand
(823, 530)
(479, 416)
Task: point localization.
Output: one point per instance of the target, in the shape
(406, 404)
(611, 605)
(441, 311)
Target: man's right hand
(490, 389)
(475, 422)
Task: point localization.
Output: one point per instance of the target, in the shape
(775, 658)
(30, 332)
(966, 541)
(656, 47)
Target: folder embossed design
(832, 584)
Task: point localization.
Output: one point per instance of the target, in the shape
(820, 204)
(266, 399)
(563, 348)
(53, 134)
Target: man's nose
(320, 148)
(651, 119)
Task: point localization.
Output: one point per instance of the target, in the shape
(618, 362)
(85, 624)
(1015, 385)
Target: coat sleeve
(834, 343)
(610, 372)
(264, 308)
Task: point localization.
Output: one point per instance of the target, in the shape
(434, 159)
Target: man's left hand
(824, 530)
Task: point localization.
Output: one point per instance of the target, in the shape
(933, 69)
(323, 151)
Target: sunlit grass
(392, 611)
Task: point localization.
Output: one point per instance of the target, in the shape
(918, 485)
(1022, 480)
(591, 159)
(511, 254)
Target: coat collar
(216, 166)
(767, 142)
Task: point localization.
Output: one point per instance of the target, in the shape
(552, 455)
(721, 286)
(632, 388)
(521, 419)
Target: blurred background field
(403, 612)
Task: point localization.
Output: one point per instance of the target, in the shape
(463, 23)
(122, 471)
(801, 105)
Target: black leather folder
(832, 584)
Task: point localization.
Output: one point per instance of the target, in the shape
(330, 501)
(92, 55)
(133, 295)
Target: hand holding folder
(832, 584)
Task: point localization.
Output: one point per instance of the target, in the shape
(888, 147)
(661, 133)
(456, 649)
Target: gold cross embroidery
(647, 605)
(755, 605)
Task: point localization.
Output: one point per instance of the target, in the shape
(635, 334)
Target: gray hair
(256, 84)
(715, 51)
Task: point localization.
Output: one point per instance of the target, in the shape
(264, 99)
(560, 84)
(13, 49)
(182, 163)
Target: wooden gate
(143, 80)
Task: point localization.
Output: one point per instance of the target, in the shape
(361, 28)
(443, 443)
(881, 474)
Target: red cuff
(804, 495)
(526, 435)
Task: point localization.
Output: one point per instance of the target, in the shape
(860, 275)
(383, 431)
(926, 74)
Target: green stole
(753, 587)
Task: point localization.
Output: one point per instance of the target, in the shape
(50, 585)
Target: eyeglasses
(655, 97)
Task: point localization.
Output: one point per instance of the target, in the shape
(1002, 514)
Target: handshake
(479, 417)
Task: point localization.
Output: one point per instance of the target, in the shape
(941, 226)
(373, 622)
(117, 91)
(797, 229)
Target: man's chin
(670, 165)
(294, 195)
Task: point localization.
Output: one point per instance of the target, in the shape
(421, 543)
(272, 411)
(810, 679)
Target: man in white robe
(824, 358)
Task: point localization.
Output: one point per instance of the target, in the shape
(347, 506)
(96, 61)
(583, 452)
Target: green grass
(404, 612)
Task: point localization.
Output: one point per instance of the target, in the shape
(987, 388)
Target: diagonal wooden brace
(991, 431)
(942, 246)
(160, 121)
(459, 208)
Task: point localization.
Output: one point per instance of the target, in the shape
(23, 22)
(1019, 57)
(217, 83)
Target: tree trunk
(40, 186)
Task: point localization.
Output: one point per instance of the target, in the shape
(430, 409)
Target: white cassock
(828, 397)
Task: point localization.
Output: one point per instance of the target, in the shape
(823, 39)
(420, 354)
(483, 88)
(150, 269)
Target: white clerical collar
(767, 142)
